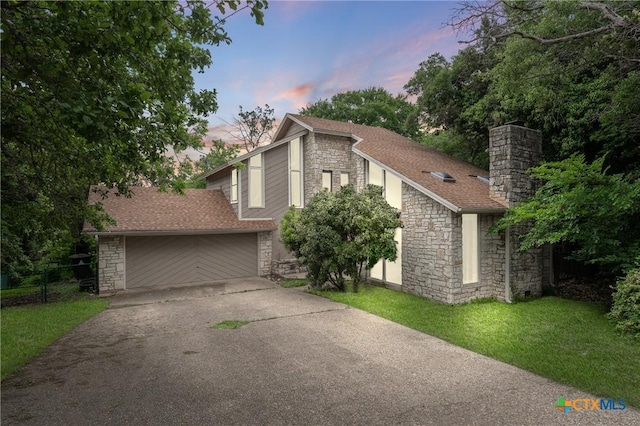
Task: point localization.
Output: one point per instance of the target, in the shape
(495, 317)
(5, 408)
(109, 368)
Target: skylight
(444, 176)
(484, 179)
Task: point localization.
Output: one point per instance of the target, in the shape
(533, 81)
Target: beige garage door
(158, 261)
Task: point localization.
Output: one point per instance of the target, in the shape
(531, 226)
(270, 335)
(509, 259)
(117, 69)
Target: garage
(163, 238)
(161, 261)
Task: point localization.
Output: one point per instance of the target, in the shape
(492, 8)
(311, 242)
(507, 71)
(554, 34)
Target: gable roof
(151, 212)
(412, 162)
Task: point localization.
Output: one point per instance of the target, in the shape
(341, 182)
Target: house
(447, 206)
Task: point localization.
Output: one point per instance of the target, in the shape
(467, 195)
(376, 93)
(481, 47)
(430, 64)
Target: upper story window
(326, 180)
(296, 185)
(234, 185)
(256, 181)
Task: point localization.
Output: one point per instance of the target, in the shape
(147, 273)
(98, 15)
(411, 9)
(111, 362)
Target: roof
(149, 211)
(414, 163)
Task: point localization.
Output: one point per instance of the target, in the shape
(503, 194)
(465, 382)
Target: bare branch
(606, 11)
(547, 42)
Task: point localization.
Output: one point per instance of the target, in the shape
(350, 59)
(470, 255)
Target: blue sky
(310, 50)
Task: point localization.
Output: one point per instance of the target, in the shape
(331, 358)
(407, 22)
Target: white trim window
(296, 183)
(470, 252)
(344, 178)
(256, 182)
(234, 185)
(326, 180)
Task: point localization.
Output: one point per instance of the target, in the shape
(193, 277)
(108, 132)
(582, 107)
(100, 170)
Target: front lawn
(567, 341)
(27, 330)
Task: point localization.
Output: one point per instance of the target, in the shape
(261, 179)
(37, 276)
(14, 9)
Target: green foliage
(94, 92)
(626, 304)
(229, 324)
(452, 96)
(28, 330)
(580, 203)
(341, 234)
(372, 107)
(191, 172)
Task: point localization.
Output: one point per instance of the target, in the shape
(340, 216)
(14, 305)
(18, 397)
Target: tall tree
(252, 129)
(372, 107)
(93, 92)
(567, 69)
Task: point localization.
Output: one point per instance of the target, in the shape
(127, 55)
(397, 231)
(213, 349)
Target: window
(326, 180)
(375, 175)
(296, 185)
(234, 185)
(469, 248)
(344, 178)
(256, 181)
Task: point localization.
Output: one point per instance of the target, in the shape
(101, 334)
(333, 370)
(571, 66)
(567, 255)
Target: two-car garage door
(159, 261)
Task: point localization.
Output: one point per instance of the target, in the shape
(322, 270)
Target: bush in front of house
(626, 304)
(341, 234)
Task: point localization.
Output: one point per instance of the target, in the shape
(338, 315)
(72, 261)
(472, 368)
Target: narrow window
(234, 185)
(375, 175)
(344, 178)
(326, 180)
(256, 181)
(469, 248)
(296, 186)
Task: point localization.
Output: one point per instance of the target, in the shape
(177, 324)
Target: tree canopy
(567, 68)
(371, 107)
(94, 92)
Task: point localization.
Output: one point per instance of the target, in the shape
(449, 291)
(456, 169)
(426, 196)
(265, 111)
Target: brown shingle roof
(148, 210)
(415, 162)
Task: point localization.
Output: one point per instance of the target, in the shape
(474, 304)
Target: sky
(311, 50)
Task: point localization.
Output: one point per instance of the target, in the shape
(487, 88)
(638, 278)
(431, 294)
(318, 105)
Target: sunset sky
(310, 50)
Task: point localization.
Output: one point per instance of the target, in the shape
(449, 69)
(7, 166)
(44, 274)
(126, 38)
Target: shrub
(341, 234)
(626, 304)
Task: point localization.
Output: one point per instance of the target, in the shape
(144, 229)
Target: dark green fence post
(45, 280)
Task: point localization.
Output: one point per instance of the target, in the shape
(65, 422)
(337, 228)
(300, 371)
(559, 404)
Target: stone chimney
(513, 149)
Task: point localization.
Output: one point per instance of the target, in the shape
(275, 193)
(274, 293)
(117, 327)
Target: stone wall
(428, 247)
(325, 153)
(111, 263)
(265, 247)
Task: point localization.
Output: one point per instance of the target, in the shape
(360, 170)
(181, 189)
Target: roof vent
(444, 176)
(484, 178)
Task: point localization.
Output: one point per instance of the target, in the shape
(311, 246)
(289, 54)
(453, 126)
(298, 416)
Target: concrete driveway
(152, 359)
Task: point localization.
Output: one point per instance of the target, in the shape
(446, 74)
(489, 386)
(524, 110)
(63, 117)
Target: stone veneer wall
(514, 149)
(265, 247)
(322, 153)
(111, 258)
(428, 239)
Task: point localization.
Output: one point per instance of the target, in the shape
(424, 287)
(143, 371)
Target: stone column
(513, 149)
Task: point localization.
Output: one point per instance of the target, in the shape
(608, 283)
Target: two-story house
(447, 206)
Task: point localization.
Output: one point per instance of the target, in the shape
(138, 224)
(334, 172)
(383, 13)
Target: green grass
(19, 291)
(567, 341)
(293, 283)
(229, 324)
(27, 330)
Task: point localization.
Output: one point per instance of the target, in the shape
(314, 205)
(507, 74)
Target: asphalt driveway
(152, 359)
